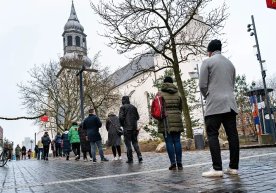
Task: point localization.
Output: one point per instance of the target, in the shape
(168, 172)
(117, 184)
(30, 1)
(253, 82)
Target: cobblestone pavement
(257, 174)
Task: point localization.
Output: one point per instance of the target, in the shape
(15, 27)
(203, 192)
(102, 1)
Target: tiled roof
(133, 69)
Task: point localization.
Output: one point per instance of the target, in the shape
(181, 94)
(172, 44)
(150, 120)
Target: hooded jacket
(45, 139)
(173, 105)
(66, 142)
(128, 115)
(74, 134)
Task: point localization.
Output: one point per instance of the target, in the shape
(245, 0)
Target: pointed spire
(73, 15)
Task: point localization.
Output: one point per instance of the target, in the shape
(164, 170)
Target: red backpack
(158, 107)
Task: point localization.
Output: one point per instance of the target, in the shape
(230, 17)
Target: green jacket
(173, 104)
(73, 134)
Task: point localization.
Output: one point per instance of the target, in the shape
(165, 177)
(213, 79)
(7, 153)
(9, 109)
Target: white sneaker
(212, 173)
(115, 158)
(120, 158)
(231, 171)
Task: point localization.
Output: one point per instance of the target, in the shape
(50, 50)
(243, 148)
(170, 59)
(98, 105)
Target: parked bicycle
(4, 156)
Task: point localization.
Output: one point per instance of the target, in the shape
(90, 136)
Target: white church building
(135, 79)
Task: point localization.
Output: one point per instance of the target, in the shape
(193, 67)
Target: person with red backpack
(168, 111)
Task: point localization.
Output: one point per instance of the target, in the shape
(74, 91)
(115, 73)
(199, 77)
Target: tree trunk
(186, 112)
(187, 118)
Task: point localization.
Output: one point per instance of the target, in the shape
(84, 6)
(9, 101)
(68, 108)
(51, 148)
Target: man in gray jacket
(216, 83)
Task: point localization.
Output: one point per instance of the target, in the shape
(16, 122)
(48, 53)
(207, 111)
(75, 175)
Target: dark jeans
(45, 151)
(40, 153)
(213, 123)
(76, 148)
(173, 146)
(93, 149)
(118, 148)
(130, 137)
(58, 150)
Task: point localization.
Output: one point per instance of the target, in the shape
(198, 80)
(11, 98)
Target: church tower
(74, 43)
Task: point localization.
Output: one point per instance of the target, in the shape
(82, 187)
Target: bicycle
(4, 157)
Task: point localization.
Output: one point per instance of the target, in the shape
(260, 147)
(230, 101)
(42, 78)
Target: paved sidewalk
(257, 174)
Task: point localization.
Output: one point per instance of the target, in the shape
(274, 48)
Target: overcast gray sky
(31, 32)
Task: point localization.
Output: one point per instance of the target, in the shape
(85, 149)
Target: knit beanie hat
(168, 79)
(214, 45)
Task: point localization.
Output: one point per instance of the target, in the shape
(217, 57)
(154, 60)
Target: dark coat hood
(125, 100)
(169, 88)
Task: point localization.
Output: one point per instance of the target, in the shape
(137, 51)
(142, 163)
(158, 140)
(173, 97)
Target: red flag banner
(44, 118)
(271, 4)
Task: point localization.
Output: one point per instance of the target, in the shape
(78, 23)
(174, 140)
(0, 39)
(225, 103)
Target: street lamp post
(81, 92)
(83, 68)
(259, 58)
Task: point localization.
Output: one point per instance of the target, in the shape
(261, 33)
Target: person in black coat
(85, 144)
(66, 143)
(92, 124)
(45, 139)
(129, 117)
(114, 138)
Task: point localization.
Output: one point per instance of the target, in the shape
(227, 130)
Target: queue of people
(216, 83)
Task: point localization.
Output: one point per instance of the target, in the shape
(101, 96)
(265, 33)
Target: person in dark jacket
(172, 125)
(58, 141)
(85, 144)
(66, 143)
(92, 124)
(46, 141)
(23, 152)
(114, 139)
(129, 117)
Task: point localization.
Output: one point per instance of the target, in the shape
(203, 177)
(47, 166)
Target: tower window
(83, 42)
(69, 41)
(77, 41)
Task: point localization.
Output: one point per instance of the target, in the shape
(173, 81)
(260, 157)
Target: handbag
(119, 129)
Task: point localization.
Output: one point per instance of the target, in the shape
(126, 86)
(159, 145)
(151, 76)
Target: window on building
(77, 41)
(83, 42)
(69, 41)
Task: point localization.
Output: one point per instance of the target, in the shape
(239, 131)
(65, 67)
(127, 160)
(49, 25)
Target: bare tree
(170, 28)
(60, 96)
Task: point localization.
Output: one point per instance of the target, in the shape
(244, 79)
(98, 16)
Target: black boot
(172, 167)
(180, 167)
(129, 161)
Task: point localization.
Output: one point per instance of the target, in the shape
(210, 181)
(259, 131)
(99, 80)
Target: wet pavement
(257, 174)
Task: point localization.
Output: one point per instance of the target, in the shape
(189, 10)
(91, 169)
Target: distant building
(28, 143)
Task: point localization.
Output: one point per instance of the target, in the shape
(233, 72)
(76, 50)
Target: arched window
(83, 42)
(77, 41)
(69, 41)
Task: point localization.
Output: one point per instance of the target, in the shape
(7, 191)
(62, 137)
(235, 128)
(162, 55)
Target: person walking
(53, 148)
(85, 144)
(114, 138)
(66, 145)
(36, 151)
(58, 141)
(40, 150)
(92, 124)
(23, 152)
(128, 116)
(17, 152)
(216, 83)
(74, 138)
(46, 141)
(172, 126)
